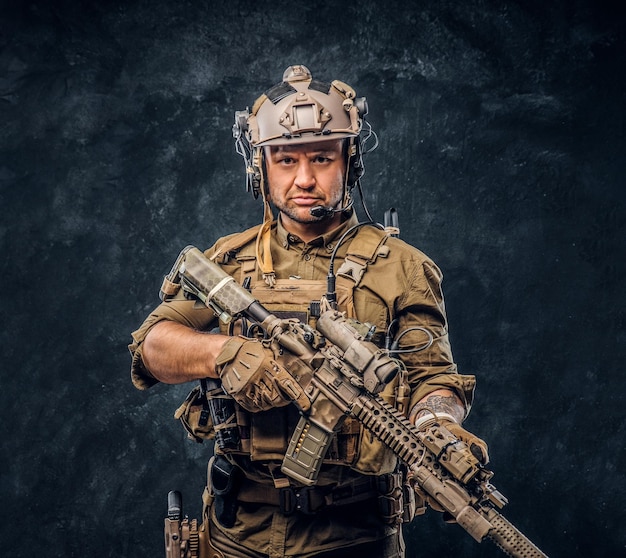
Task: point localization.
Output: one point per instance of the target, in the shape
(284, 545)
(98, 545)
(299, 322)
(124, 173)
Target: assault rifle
(346, 374)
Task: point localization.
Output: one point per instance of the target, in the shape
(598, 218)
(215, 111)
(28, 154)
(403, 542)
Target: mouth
(305, 201)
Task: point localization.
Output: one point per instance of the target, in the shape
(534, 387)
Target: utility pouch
(224, 484)
(390, 501)
(410, 504)
(195, 416)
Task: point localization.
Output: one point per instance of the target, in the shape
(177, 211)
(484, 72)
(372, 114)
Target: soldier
(302, 143)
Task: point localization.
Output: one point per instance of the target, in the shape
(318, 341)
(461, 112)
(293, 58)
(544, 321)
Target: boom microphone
(321, 211)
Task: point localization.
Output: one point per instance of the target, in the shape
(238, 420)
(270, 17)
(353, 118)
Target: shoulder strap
(367, 245)
(235, 241)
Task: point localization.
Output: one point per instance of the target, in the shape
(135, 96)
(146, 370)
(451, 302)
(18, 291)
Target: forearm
(174, 353)
(439, 401)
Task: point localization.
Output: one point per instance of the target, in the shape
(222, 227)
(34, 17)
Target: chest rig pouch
(265, 435)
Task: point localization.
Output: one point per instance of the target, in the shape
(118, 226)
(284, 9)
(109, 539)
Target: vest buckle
(293, 500)
(352, 269)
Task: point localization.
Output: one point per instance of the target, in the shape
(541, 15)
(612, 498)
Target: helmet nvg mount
(300, 110)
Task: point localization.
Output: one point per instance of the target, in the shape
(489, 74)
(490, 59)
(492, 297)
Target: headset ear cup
(355, 165)
(257, 171)
(255, 185)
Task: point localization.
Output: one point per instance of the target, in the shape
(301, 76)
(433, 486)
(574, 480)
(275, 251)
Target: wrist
(431, 418)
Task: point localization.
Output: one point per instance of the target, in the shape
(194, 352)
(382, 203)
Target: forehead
(335, 145)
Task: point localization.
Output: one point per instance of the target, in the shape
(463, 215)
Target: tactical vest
(265, 435)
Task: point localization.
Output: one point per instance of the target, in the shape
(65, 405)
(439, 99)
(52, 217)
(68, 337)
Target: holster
(224, 479)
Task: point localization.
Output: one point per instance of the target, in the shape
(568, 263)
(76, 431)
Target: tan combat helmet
(304, 110)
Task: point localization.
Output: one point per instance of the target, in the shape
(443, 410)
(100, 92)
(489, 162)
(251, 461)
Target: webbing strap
(236, 241)
(264, 238)
(365, 247)
(307, 499)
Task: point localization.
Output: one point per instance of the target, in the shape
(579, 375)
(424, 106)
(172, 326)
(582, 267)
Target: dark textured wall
(502, 141)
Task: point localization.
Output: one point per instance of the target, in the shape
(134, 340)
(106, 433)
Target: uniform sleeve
(178, 309)
(421, 305)
(187, 312)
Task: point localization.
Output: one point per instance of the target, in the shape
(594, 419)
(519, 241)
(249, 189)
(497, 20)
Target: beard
(303, 215)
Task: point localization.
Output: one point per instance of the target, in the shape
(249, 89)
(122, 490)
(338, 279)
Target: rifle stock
(347, 374)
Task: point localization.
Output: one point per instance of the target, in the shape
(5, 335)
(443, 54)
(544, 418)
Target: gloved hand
(477, 446)
(254, 377)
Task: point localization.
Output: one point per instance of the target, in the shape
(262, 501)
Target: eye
(322, 159)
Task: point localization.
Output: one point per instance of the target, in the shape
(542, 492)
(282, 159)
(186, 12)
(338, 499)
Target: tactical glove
(254, 377)
(477, 446)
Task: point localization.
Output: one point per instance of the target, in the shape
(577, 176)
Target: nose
(305, 177)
